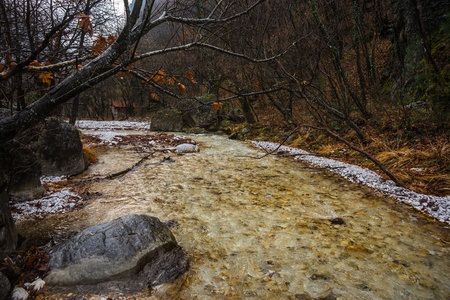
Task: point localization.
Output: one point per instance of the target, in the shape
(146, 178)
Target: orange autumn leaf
(181, 88)
(1, 67)
(111, 39)
(35, 63)
(13, 64)
(217, 105)
(46, 77)
(154, 96)
(172, 80)
(100, 44)
(190, 76)
(48, 63)
(85, 24)
(79, 66)
(159, 77)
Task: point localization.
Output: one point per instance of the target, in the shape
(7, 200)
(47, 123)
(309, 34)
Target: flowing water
(270, 228)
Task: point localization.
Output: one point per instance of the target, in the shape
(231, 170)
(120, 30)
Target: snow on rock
(60, 202)
(52, 179)
(112, 125)
(438, 207)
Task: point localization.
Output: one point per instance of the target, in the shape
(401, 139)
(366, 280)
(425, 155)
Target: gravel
(437, 207)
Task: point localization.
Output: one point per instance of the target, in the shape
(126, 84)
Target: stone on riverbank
(186, 148)
(119, 249)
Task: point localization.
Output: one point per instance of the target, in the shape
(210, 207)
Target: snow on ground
(438, 207)
(108, 137)
(62, 201)
(112, 125)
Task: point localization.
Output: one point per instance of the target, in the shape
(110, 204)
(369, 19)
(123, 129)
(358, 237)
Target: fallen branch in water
(120, 173)
(117, 174)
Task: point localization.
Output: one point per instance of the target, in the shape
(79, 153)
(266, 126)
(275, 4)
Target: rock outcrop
(122, 248)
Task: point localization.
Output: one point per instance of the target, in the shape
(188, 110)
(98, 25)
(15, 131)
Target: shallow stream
(270, 228)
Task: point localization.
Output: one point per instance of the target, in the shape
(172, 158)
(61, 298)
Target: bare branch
(60, 65)
(191, 21)
(215, 48)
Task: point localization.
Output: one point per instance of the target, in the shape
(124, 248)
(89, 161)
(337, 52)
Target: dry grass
(433, 163)
(438, 155)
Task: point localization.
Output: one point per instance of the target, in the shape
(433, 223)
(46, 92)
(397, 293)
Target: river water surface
(270, 228)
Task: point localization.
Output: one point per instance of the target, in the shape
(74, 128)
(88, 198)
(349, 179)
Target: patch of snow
(59, 202)
(52, 179)
(438, 207)
(108, 137)
(112, 125)
(19, 293)
(418, 170)
(36, 285)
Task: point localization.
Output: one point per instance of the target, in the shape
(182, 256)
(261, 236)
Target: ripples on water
(272, 228)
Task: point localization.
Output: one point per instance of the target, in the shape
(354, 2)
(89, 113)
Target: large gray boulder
(5, 286)
(8, 232)
(203, 117)
(118, 249)
(167, 120)
(175, 120)
(25, 183)
(59, 148)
